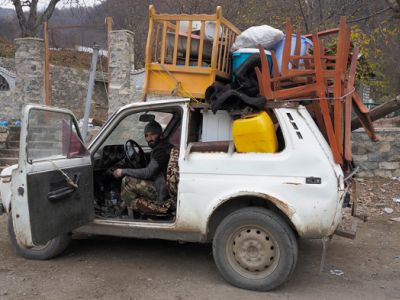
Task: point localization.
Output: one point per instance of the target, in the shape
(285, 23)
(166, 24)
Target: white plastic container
(209, 30)
(216, 127)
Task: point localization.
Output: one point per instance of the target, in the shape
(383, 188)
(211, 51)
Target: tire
(51, 249)
(255, 249)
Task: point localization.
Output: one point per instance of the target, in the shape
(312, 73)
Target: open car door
(53, 185)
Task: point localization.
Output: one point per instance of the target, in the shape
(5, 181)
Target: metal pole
(90, 91)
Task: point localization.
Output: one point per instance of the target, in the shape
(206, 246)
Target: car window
(52, 135)
(130, 128)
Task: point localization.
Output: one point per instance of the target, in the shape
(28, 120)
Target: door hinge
(313, 180)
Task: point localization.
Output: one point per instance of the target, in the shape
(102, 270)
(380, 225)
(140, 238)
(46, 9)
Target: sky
(43, 3)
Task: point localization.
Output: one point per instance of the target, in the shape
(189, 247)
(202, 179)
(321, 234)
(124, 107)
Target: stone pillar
(121, 90)
(29, 67)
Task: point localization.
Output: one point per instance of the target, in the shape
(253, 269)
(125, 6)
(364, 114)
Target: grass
(7, 49)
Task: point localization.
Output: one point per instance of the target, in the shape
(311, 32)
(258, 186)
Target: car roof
(154, 102)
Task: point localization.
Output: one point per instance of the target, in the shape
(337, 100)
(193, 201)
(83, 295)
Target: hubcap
(253, 252)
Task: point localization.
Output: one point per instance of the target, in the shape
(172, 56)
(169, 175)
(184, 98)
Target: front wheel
(255, 249)
(41, 252)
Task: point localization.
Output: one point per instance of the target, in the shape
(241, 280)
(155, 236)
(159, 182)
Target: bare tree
(29, 23)
(394, 5)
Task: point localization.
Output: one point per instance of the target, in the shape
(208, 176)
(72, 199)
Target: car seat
(147, 207)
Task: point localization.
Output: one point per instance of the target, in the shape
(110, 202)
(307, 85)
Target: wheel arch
(241, 200)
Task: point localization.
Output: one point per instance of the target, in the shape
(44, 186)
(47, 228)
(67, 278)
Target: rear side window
(52, 135)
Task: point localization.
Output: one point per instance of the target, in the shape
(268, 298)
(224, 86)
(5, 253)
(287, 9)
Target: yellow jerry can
(254, 133)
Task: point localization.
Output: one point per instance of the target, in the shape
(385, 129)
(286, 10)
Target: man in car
(148, 182)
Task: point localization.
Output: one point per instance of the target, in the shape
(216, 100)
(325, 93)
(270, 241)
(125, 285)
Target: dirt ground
(115, 268)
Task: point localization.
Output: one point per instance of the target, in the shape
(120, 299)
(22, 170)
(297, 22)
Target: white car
(251, 206)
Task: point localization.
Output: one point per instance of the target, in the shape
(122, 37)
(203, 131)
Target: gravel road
(115, 268)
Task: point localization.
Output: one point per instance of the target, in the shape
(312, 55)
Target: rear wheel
(40, 252)
(255, 249)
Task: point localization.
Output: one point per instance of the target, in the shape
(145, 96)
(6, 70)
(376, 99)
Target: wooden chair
(294, 64)
(300, 77)
(315, 89)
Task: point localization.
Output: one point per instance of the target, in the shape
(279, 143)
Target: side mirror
(147, 118)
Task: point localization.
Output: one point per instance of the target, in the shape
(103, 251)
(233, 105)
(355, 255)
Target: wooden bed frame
(176, 71)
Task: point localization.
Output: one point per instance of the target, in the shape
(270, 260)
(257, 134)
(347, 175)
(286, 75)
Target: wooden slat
(287, 47)
(156, 42)
(348, 105)
(330, 57)
(149, 45)
(230, 26)
(319, 118)
(201, 44)
(171, 26)
(359, 104)
(184, 17)
(295, 92)
(323, 33)
(223, 74)
(228, 53)
(225, 58)
(216, 39)
(109, 29)
(364, 118)
(275, 71)
(224, 44)
(47, 89)
(176, 41)
(323, 102)
(163, 40)
(295, 73)
(260, 80)
(308, 57)
(181, 69)
(188, 41)
(230, 57)
(341, 62)
(295, 62)
(266, 78)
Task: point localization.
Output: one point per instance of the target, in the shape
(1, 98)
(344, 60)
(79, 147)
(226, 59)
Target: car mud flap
(354, 200)
(349, 233)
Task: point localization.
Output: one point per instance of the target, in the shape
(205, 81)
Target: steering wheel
(137, 159)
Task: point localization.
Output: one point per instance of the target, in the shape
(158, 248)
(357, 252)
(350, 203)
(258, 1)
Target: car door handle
(60, 193)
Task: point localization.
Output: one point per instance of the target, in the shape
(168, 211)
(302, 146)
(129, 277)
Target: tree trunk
(29, 27)
(379, 112)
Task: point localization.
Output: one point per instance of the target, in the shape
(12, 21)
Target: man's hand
(117, 173)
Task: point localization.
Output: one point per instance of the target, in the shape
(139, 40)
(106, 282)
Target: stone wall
(8, 63)
(69, 88)
(8, 110)
(380, 158)
(6, 97)
(68, 85)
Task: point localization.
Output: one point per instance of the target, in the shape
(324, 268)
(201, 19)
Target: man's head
(152, 133)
